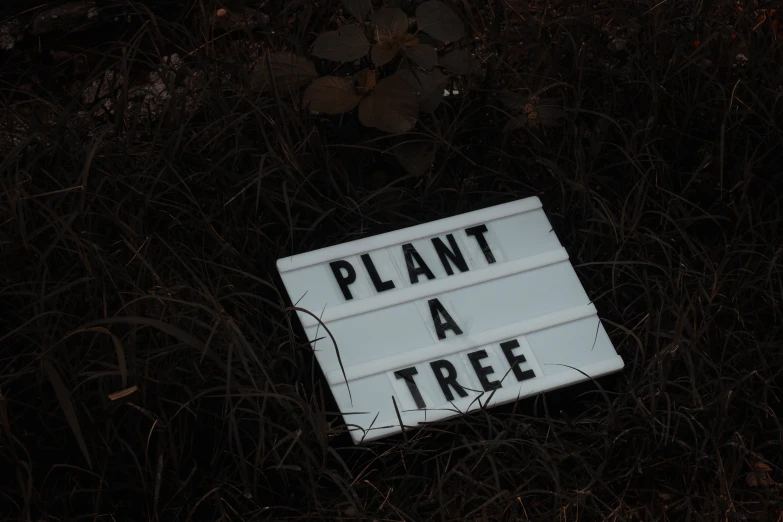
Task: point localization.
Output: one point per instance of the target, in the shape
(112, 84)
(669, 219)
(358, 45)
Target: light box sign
(447, 317)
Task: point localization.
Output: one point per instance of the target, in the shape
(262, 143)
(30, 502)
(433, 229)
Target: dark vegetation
(151, 176)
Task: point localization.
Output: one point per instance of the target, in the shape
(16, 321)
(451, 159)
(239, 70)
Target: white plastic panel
(511, 318)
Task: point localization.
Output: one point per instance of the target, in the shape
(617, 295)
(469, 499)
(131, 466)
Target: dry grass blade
(119, 349)
(399, 419)
(6, 423)
(123, 393)
(64, 398)
(164, 327)
(334, 342)
(415, 156)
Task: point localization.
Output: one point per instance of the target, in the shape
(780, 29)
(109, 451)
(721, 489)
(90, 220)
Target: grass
(151, 368)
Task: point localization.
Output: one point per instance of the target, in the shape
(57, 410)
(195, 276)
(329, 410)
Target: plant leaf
(550, 115)
(415, 157)
(424, 55)
(358, 8)
(64, 398)
(513, 100)
(344, 45)
(427, 39)
(390, 24)
(331, 95)
(286, 71)
(428, 86)
(439, 21)
(459, 62)
(366, 80)
(392, 108)
(516, 122)
(382, 55)
(408, 39)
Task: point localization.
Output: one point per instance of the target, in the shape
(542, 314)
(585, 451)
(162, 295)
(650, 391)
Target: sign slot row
(459, 344)
(413, 293)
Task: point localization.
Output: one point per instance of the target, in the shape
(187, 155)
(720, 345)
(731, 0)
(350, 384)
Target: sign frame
(485, 308)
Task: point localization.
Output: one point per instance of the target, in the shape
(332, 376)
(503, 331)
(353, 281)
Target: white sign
(447, 317)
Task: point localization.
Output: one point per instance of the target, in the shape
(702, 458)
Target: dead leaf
(366, 80)
(390, 24)
(381, 55)
(428, 86)
(59, 56)
(439, 21)
(757, 479)
(759, 476)
(331, 95)
(424, 55)
(286, 71)
(344, 45)
(64, 398)
(459, 62)
(535, 111)
(123, 393)
(358, 8)
(393, 107)
(415, 157)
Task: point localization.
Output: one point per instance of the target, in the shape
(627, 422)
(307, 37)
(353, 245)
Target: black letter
(483, 371)
(407, 374)
(436, 309)
(413, 271)
(454, 254)
(344, 280)
(478, 233)
(450, 379)
(514, 360)
(381, 286)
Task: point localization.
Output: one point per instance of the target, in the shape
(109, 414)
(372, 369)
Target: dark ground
(139, 234)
